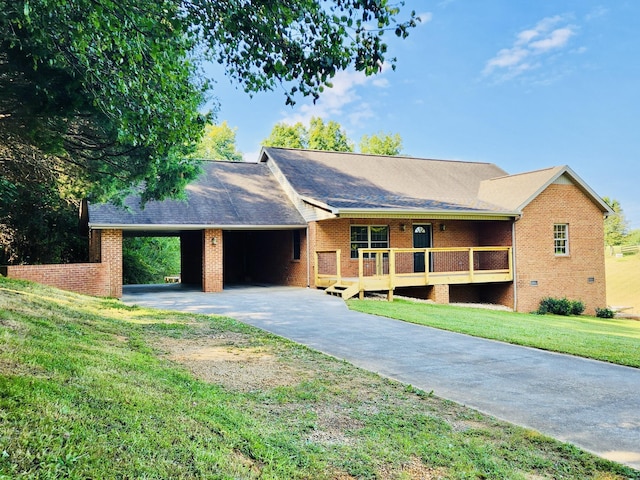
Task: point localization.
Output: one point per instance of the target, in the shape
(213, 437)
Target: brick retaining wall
(85, 278)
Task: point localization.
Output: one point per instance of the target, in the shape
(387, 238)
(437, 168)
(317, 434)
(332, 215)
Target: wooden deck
(390, 268)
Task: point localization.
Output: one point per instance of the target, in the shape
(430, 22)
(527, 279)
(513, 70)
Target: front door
(421, 239)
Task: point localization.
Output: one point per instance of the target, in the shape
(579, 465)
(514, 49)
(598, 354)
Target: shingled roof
(231, 195)
(347, 181)
(287, 185)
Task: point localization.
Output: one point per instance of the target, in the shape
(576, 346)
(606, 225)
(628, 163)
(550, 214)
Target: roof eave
(430, 214)
(174, 227)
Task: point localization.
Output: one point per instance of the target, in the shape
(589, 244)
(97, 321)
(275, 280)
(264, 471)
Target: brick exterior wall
(111, 256)
(212, 280)
(85, 278)
(560, 276)
(101, 278)
(335, 233)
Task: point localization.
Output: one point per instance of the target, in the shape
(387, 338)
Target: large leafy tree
(381, 144)
(218, 143)
(319, 135)
(615, 226)
(330, 136)
(104, 95)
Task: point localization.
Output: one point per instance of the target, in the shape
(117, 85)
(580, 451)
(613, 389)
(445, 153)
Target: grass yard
(610, 340)
(623, 281)
(91, 388)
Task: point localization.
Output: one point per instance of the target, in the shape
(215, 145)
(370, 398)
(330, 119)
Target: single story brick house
(450, 231)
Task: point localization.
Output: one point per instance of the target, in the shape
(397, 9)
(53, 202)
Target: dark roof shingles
(225, 194)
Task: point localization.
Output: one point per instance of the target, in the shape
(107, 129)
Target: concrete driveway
(594, 405)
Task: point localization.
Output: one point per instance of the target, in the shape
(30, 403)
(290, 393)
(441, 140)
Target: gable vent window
(561, 239)
(368, 236)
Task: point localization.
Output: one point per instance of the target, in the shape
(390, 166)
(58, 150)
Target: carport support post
(212, 260)
(110, 242)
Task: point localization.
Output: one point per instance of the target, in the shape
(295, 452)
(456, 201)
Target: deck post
(427, 265)
(338, 266)
(392, 274)
(471, 265)
(510, 260)
(315, 270)
(361, 273)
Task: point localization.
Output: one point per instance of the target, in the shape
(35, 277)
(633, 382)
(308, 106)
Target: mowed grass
(91, 388)
(623, 282)
(610, 340)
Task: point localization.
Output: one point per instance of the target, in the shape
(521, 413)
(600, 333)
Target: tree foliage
(104, 95)
(330, 136)
(218, 143)
(319, 135)
(149, 259)
(112, 89)
(615, 226)
(381, 144)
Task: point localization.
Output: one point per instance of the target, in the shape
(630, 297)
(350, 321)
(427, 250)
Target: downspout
(514, 263)
(308, 257)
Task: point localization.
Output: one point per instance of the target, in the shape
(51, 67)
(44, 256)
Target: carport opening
(259, 257)
(150, 259)
(169, 257)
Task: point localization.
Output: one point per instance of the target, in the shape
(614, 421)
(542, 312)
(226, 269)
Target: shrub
(605, 312)
(577, 307)
(560, 306)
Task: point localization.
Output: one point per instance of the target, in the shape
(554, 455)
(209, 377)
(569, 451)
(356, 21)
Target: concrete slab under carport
(594, 405)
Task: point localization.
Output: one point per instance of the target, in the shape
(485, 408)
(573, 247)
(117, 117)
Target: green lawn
(91, 388)
(623, 281)
(611, 340)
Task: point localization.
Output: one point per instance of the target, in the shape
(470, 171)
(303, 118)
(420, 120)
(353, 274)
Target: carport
(236, 225)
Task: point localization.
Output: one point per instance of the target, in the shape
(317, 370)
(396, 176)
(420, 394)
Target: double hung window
(368, 236)
(561, 239)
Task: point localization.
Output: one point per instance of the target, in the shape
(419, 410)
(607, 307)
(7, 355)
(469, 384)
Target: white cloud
(425, 18)
(550, 34)
(341, 100)
(557, 39)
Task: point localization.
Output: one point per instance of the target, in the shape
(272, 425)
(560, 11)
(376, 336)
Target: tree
(104, 95)
(329, 136)
(615, 226)
(218, 143)
(381, 144)
(287, 136)
(112, 88)
(150, 259)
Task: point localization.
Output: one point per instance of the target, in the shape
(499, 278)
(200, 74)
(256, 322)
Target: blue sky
(522, 84)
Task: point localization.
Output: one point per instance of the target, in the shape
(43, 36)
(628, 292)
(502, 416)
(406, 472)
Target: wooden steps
(343, 290)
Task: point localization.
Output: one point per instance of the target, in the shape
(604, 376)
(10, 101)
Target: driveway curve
(594, 405)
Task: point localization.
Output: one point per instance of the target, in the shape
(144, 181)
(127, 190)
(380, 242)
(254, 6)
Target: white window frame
(354, 252)
(561, 239)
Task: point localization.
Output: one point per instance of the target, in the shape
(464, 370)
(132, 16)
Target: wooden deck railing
(388, 268)
(328, 267)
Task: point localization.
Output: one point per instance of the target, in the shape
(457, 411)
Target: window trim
(369, 242)
(561, 240)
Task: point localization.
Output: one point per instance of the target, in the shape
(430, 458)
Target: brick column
(111, 256)
(439, 294)
(212, 261)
